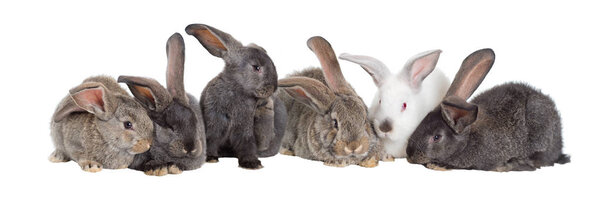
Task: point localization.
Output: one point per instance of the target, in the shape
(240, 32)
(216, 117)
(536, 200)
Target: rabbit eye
(436, 138)
(403, 107)
(256, 68)
(379, 101)
(335, 123)
(128, 125)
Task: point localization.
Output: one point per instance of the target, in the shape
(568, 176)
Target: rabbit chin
(140, 146)
(395, 148)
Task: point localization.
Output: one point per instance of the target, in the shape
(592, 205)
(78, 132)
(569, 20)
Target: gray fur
(98, 139)
(314, 108)
(180, 141)
(232, 102)
(511, 127)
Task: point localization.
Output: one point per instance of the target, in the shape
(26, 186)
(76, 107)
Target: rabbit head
(120, 117)
(341, 127)
(249, 66)
(444, 131)
(400, 102)
(177, 126)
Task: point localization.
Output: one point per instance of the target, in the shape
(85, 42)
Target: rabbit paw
(90, 166)
(369, 162)
(58, 157)
(284, 151)
(212, 159)
(336, 163)
(435, 167)
(387, 158)
(252, 164)
(173, 169)
(157, 171)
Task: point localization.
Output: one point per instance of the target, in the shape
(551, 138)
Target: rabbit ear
(419, 67)
(471, 73)
(218, 43)
(94, 98)
(308, 91)
(458, 114)
(374, 67)
(175, 67)
(331, 68)
(64, 110)
(149, 92)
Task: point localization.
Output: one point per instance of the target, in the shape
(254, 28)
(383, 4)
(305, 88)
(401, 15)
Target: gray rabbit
(243, 119)
(98, 125)
(511, 127)
(179, 129)
(327, 119)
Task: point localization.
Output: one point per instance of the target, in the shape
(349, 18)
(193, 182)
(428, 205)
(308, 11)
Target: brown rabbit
(327, 120)
(98, 125)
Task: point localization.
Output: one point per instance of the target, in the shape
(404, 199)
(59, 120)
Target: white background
(48, 47)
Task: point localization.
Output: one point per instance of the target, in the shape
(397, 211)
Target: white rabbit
(402, 101)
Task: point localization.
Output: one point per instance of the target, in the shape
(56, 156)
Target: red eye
(403, 106)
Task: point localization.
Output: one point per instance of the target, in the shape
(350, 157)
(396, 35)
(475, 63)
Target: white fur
(393, 91)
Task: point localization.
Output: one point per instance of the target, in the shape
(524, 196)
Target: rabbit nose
(353, 148)
(189, 147)
(386, 126)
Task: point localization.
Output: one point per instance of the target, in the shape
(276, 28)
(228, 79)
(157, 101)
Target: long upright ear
(175, 67)
(149, 92)
(377, 69)
(218, 43)
(471, 73)
(331, 68)
(308, 91)
(419, 67)
(94, 98)
(458, 114)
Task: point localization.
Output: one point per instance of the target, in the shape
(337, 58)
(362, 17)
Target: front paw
(212, 159)
(387, 158)
(336, 163)
(284, 151)
(161, 170)
(369, 162)
(250, 164)
(435, 167)
(90, 166)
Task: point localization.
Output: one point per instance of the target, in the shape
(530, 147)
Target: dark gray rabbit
(511, 127)
(179, 129)
(327, 119)
(238, 104)
(98, 125)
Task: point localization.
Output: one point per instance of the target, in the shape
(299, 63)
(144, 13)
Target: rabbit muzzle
(264, 91)
(141, 146)
(358, 147)
(185, 149)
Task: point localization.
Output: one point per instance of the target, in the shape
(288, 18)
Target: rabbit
(239, 97)
(327, 120)
(510, 127)
(179, 128)
(98, 125)
(402, 101)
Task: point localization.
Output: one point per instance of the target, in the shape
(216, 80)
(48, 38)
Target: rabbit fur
(403, 100)
(327, 120)
(510, 127)
(180, 140)
(235, 99)
(98, 125)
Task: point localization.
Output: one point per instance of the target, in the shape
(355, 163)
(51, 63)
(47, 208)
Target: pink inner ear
(90, 97)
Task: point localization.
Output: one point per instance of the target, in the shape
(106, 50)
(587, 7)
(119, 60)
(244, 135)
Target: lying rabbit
(403, 100)
(238, 105)
(327, 120)
(98, 125)
(179, 138)
(511, 127)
